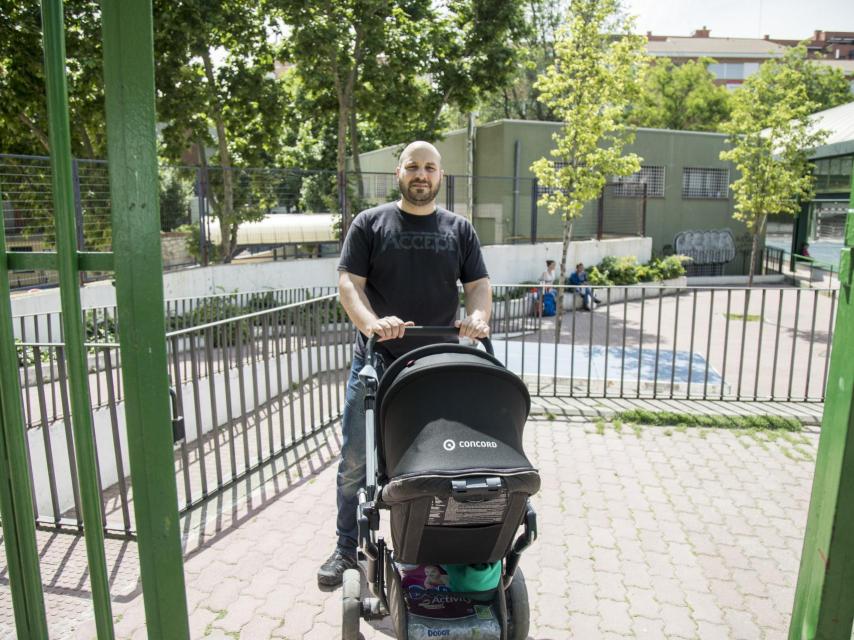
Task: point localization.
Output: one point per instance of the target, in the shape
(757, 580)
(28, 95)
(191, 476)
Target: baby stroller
(444, 457)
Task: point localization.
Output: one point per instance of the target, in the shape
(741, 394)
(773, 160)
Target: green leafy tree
(597, 74)
(825, 86)
(682, 97)
(216, 86)
(518, 97)
(770, 134)
(338, 46)
(475, 47)
(392, 68)
(23, 108)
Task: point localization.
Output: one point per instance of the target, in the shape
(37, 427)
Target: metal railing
(666, 342)
(39, 336)
(254, 384)
(248, 388)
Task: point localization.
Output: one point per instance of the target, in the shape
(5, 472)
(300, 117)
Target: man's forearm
(479, 300)
(355, 303)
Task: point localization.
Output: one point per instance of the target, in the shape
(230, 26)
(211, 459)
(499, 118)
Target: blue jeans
(586, 294)
(351, 469)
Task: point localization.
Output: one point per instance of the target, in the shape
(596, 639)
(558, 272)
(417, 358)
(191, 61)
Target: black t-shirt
(412, 264)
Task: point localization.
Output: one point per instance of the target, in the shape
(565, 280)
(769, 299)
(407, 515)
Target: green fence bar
(824, 598)
(132, 150)
(16, 498)
(72, 317)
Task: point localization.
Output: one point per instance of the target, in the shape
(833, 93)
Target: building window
(651, 176)
(381, 186)
(541, 190)
(730, 70)
(703, 182)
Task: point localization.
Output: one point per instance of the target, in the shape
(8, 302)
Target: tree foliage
(771, 135)
(390, 69)
(23, 108)
(518, 98)
(681, 97)
(826, 87)
(216, 86)
(596, 75)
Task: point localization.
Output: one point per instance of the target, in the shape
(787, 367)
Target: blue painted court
(609, 364)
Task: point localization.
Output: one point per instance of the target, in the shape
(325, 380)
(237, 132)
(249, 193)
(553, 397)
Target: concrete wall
(512, 264)
(174, 248)
(196, 282)
(506, 263)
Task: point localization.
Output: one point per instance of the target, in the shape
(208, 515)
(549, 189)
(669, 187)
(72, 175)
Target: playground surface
(648, 532)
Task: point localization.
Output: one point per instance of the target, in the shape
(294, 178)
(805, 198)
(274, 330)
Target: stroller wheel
(518, 611)
(352, 607)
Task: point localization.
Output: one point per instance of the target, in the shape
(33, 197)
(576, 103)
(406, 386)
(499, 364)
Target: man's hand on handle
(388, 328)
(473, 327)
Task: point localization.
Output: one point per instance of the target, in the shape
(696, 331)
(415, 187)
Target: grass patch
(745, 423)
(749, 317)
(618, 425)
(219, 616)
(600, 426)
(550, 416)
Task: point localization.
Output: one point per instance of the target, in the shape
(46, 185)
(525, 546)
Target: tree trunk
(567, 238)
(205, 194)
(341, 154)
(753, 247)
(434, 122)
(226, 210)
(354, 147)
(346, 100)
(40, 135)
(88, 147)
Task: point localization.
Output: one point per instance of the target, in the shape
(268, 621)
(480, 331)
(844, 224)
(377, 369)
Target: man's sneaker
(332, 571)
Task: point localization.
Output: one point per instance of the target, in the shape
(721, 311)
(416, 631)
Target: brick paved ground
(648, 533)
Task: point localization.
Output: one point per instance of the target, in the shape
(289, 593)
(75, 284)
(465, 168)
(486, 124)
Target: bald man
(399, 267)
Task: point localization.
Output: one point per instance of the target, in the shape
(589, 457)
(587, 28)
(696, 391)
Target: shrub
(626, 270)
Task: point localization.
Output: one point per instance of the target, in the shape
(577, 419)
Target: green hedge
(624, 271)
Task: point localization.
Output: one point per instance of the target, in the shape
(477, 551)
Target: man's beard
(418, 198)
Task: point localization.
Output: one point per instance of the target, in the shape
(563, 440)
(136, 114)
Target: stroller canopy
(446, 409)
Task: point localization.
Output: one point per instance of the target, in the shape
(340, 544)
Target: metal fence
(40, 337)
(504, 209)
(248, 389)
(256, 374)
(660, 342)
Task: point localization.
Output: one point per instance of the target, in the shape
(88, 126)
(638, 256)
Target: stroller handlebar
(437, 332)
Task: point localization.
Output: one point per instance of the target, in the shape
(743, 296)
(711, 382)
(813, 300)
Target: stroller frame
(375, 556)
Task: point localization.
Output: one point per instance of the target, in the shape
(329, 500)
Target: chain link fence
(506, 210)
(195, 200)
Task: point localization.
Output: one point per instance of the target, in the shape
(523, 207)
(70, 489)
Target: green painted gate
(129, 92)
(824, 600)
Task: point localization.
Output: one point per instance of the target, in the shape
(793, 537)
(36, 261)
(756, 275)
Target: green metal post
(16, 506)
(72, 316)
(132, 148)
(824, 598)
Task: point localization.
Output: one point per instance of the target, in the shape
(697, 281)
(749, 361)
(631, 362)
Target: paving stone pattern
(648, 533)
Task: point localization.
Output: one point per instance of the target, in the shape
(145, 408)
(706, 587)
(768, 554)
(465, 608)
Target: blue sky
(743, 18)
